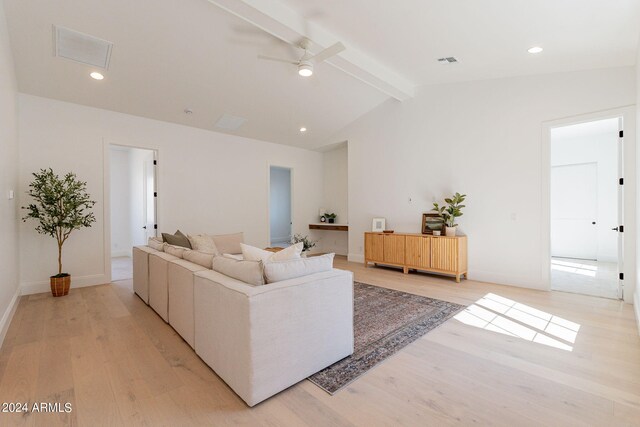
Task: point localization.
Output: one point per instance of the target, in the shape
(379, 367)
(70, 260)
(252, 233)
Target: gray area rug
(384, 322)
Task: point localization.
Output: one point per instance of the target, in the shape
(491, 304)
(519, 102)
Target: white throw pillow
(251, 272)
(251, 253)
(237, 257)
(203, 243)
(201, 258)
(277, 271)
(155, 243)
(177, 251)
(229, 243)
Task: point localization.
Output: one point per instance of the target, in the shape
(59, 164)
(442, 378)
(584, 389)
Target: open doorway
(280, 221)
(586, 208)
(133, 204)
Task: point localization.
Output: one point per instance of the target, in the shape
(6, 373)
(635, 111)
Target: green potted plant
(331, 217)
(60, 205)
(307, 244)
(452, 211)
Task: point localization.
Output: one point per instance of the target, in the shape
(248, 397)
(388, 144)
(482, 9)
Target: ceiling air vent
(82, 47)
(229, 122)
(448, 60)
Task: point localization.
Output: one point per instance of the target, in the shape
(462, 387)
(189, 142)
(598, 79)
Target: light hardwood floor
(102, 349)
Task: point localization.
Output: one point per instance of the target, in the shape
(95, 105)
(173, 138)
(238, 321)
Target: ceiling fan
(306, 62)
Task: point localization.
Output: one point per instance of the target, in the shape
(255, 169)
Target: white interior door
(149, 195)
(574, 208)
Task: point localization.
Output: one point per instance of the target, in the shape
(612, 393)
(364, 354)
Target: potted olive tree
(60, 205)
(307, 243)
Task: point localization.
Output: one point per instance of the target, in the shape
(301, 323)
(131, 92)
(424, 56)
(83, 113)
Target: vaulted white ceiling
(169, 55)
(489, 37)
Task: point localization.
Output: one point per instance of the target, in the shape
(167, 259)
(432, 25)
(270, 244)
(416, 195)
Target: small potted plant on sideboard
(307, 244)
(450, 212)
(60, 205)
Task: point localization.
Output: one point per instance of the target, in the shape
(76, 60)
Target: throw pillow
(277, 271)
(251, 272)
(203, 243)
(229, 243)
(177, 239)
(251, 253)
(155, 243)
(201, 258)
(176, 251)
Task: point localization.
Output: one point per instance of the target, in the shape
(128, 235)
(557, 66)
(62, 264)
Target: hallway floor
(587, 277)
(121, 268)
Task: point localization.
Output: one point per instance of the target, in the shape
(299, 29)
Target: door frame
(292, 185)
(628, 172)
(106, 189)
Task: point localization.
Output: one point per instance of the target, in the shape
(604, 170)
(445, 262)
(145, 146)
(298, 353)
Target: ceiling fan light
(305, 69)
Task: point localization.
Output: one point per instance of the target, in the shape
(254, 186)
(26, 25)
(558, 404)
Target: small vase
(450, 231)
(332, 220)
(436, 232)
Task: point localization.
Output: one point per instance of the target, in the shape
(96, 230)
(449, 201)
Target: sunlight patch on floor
(574, 267)
(502, 315)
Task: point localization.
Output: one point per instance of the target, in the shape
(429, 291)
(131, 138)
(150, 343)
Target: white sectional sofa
(258, 339)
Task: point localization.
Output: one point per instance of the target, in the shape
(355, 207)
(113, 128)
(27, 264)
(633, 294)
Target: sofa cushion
(177, 239)
(251, 253)
(201, 258)
(176, 251)
(251, 272)
(155, 243)
(277, 271)
(203, 243)
(229, 243)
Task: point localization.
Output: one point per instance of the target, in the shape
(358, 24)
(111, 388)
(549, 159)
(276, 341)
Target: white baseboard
(355, 258)
(636, 308)
(125, 252)
(76, 282)
(8, 316)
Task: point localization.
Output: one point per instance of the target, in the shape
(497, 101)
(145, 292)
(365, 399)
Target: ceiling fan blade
(270, 58)
(328, 52)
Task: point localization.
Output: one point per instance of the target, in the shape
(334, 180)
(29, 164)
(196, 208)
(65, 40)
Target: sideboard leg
(405, 270)
(457, 278)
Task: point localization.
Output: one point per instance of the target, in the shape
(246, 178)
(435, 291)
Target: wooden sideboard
(439, 254)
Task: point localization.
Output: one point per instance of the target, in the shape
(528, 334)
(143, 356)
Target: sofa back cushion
(251, 253)
(251, 272)
(229, 243)
(201, 258)
(155, 243)
(203, 243)
(177, 239)
(277, 271)
(176, 251)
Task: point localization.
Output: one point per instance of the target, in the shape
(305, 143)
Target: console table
(438, 254)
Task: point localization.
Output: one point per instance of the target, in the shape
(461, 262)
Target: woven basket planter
(60, 285)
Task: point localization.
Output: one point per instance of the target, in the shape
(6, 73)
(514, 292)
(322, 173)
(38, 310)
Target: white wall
(280, 205)
(121, 199)
(336, 199)
(9, 209)
(601, 149)
(637, 290)
(481, 138)
(207, 181)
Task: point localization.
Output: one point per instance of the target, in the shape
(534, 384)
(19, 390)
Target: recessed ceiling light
(96, 75)
(303, 129)
(188, 111)
(535, 49)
